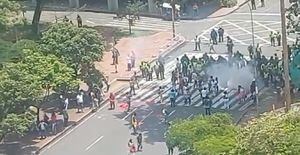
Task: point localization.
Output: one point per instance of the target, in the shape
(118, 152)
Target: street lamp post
(255, 57)
(287, 89)
(173, 17)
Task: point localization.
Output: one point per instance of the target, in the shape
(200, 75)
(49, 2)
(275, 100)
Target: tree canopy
(10, 13)
(274, 133)
(78, 47)
(203, 135)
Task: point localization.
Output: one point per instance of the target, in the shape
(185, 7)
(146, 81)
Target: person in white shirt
(79, 99)
(197, 43)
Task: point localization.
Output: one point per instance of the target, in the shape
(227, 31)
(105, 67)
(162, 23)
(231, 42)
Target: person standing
(172, 96)
(112, 101)
(53, 123)
(207, 105)
(160, 93)
(139, 139)
(221, 34)
(272, 38)
(42, 128)
(262, 3)
(165, 114)
(187, 97)
(129, 61)
(105, 80)
(135, 79)
(79, 99)
(65, 117)
(134, 123)
(131, 86)
(213, 36)
(115, 56)
(79, 21)
(133, 58)
(197, 43)
(170, 148)
(278, 38)
(253, 5)
(211, 48)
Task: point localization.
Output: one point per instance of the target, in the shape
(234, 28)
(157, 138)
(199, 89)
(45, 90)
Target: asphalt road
(107, 132)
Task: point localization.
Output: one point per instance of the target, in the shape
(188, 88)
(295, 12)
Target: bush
(228, 3)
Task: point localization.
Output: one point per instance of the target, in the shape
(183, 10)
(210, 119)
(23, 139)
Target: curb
(233, 10)
(166, 52)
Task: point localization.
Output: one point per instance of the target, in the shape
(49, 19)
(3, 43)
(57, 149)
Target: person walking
(211, 48)
(139, 139)
(253, 5)
(170, 148)
(135, 79)
(131, 147)
(207, 105)
(53, 123)
(197, 43)
(79, 21)
(115, 56)
(134, 122)
(165, 114)
(128, 100)
(187, 97)
(172, 95)
(131, 86)
(112, 101)
(79, 99)
(160, 93)
(226, 99)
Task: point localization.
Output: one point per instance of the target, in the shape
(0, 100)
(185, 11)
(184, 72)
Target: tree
(37, 16)
(203, 135)
(23, 84)
(78, 47)
(133, 10)
(10, 14)
(274, 133)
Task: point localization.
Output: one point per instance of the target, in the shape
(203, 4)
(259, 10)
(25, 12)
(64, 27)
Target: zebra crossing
(145, 23)
(148, 91)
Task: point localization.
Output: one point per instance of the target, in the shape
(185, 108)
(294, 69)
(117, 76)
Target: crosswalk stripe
(220, 101)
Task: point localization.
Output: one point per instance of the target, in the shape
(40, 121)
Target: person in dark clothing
(253, 5)
(79, 21)
(213, 36)
(278, 38)
(139, 139)
(262, 3)
(221, 34)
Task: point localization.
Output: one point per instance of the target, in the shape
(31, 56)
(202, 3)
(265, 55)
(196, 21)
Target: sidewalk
(223, 11)
(146, 48)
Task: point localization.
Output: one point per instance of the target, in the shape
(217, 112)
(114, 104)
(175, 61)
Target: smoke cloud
(231, 76)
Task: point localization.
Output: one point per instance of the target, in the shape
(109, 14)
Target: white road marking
(96, 141)
(262, 25)
(247, 31)
(147, 116)
(63, 136)
(129, 113)
(88, 21)
(171, 113)
(258, 14)
(190, 116)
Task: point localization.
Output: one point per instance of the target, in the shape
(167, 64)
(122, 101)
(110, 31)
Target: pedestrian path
(145, 23)
(148, 91)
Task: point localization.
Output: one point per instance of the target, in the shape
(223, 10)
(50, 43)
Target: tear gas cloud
(231, 76)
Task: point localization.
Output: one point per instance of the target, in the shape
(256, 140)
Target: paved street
(107, 132)
(94, 19)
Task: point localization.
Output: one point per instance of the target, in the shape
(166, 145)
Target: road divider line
(147, 116)
(96, 141)
(71, 130)
(171, 113)
(129, 113)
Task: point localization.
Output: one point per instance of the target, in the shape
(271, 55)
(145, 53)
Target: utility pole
(287, 93)
(255, 57)
(173, 16)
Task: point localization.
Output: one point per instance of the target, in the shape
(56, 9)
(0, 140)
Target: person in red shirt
(53, 122)
(112, 101)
